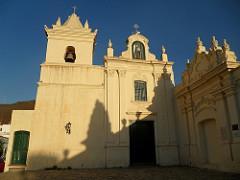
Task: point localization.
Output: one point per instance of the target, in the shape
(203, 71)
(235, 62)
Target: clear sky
(175, 24)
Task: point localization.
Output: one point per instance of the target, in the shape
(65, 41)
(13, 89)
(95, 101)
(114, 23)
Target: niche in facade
(138, 50)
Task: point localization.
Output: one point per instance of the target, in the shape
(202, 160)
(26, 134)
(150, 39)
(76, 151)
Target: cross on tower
(74, 9)
(136, 27)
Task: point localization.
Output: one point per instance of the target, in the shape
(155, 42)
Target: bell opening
(70, 55)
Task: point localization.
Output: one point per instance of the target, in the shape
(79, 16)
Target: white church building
(128, 111)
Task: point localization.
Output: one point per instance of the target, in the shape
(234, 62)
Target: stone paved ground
(135, 173)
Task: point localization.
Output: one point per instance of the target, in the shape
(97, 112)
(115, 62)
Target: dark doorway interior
(142, 143)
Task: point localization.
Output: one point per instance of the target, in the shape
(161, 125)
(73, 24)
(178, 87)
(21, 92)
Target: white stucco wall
(98, 101)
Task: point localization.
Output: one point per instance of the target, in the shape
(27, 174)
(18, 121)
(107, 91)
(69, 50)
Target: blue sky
(175, 24)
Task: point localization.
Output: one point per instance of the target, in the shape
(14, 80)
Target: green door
(20, 147)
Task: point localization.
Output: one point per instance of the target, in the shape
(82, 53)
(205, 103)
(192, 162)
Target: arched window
(140, 90)
(138, 50)
(70, 55)
(20, 147)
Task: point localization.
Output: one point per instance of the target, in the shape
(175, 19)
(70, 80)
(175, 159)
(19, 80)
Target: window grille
(140, 90)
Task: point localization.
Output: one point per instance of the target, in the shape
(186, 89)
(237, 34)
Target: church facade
(127, 111)
(208, 107)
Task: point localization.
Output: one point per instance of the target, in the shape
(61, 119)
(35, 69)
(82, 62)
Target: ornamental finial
(58, 22)
(188, 63)
(164, 54)
(110, 49)
(200, 47)
(199, 42)
(214, 43)
(109, 43)
(86, 26)
(226, 46)
(163, 50)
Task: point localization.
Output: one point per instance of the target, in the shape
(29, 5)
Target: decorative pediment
(206, 102)
(137, 48)
(204, 61)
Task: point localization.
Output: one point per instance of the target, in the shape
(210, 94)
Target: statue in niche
(138, 50)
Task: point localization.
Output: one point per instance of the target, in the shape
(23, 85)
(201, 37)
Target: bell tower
(70, 42)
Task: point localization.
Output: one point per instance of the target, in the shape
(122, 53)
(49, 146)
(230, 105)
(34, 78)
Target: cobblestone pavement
(135, 173)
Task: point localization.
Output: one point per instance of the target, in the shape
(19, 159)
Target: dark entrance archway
(142, 143)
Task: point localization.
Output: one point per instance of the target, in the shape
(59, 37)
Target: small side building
(5, 121)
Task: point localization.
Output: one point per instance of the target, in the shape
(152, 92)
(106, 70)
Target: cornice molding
(124, 60)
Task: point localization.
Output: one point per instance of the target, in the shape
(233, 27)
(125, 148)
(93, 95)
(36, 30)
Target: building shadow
(163, 110)
(95, 153)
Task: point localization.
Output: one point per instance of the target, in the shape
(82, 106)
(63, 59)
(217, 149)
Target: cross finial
(74, 9)
(136, 27)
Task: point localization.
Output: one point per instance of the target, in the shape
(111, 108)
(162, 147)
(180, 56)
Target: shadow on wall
(95, 153)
